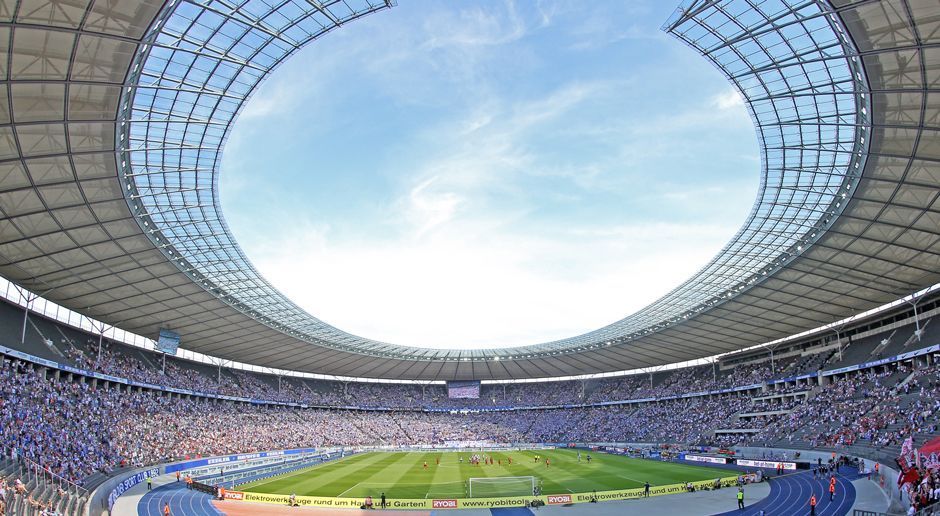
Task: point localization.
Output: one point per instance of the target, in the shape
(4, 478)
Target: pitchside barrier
(205, 488)
(476, 503)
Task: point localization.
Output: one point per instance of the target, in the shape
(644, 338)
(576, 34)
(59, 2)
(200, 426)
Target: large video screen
(168, 342)
(463, 389)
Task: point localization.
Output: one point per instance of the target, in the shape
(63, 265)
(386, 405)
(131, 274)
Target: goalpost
(494, 487)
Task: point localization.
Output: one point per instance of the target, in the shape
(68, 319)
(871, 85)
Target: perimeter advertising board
(476, 503)
(223, 460)
(130, 482)
(765, 464)
(705, 458)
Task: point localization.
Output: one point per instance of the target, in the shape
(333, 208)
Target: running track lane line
(511, 511)
(183, 502)
(789, 496)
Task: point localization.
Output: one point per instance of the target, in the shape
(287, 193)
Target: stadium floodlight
(495, 487)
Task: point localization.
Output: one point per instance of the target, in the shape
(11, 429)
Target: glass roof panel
(789, 60)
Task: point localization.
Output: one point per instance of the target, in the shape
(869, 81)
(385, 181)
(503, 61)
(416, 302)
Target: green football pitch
(402, 475)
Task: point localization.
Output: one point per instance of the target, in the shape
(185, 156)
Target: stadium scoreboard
(463, 389)
(168, 341)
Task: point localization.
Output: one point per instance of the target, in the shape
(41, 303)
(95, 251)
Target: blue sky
(472, 174)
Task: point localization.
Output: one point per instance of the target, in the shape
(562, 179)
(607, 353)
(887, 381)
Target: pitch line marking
(348, 490)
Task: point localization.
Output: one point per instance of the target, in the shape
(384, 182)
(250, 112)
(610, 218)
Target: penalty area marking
(395, 484)
(254, 484)
(435, 484)
(348, 490)
(633, 479)
(389, 487)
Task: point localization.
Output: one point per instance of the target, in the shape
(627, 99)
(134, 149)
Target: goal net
(494, 487)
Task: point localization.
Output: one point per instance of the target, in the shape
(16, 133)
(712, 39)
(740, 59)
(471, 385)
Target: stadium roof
(114, 116)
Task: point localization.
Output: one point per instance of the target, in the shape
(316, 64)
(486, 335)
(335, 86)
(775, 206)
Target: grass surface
(402, 474)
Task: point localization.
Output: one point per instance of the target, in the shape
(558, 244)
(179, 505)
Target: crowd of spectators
(927, 491)
(873, 409)
(15, 497)
(142, 366)
(59, 424)
(123, 364)
(861, 407)
(775, 404)
(919, 416)
(74, 426)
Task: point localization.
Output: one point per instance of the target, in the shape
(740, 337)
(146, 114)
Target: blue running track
(183, 502)
(789, 496)
(509, 511)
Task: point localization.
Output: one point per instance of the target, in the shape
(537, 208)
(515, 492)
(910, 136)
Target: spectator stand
(31, 488)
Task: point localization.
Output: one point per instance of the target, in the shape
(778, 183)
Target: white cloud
(456, 270)
(427, 208)
(454, 259)
(727, 100)
(474, 27)
(558, 102)
(471, 289)
(483, 159)
(609, 24)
